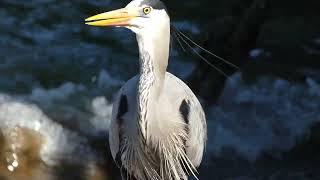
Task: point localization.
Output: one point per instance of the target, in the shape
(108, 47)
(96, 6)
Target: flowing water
(58, 78)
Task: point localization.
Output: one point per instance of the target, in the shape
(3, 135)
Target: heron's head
(141, 16)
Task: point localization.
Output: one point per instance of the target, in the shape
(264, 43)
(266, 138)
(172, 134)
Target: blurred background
(58, 78)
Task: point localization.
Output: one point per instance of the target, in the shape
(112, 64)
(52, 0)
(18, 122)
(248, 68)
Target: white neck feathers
(154, 54)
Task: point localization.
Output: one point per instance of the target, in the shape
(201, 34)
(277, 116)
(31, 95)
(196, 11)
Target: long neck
(154, 54)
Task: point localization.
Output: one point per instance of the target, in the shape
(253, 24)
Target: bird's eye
(146, 10)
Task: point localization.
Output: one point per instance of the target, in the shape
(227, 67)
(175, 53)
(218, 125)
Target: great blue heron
(158, 128)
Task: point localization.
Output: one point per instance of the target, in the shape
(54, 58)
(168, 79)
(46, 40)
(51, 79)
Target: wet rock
(19, 155)
(20, 159)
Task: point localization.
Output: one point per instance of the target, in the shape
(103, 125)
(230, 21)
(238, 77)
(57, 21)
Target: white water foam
(59, 143)
(36, 111)
(267, 117)
(60, 93)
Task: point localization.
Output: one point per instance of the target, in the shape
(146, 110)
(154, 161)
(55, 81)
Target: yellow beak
(120, 17)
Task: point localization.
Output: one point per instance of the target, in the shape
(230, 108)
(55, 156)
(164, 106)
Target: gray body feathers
(176, 133)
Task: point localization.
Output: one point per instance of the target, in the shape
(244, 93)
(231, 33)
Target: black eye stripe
(155, 4)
